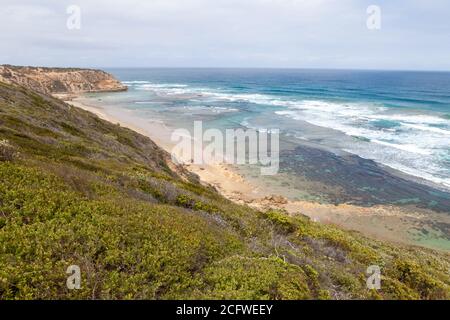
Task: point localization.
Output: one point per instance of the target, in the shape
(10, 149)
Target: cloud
(227, 33)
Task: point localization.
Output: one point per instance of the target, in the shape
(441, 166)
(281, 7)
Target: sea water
(363, 137)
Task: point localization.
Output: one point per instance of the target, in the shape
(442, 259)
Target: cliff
(77, 190)
(60, 80)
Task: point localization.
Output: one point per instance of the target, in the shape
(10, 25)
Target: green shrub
(281, 220)
(254, 278)
(411, 274)
(90, 193)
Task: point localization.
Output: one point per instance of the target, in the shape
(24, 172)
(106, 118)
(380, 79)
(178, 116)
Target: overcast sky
(414, 34)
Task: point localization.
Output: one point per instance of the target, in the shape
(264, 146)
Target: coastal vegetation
(77, 190)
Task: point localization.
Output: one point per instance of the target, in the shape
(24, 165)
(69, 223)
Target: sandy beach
(392, 223)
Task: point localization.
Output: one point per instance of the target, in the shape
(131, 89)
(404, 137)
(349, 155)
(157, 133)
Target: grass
(76, 190)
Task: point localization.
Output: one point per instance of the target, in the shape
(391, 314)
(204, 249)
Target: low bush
(93, 194)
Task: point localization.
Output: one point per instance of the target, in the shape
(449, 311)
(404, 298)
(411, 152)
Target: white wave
(408, 118)
(163, 85)
(426, 170)
(427, 128)
(214, 109)
(252, 98)
(135, 82)
(172, 89)
(444, 182)
(223, 109)
(405, 147)
(144, 102)
(414, 146)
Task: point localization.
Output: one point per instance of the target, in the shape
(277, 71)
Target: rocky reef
(78, 190)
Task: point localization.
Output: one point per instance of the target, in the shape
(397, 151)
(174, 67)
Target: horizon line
(282, 68)
(230, 68)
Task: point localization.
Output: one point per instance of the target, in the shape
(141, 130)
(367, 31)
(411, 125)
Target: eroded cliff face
(60, 80)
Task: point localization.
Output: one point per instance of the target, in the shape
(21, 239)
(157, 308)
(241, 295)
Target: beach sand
(393, 223)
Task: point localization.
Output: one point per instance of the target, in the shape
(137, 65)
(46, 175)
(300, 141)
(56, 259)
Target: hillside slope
(76, 190)
(60, 80)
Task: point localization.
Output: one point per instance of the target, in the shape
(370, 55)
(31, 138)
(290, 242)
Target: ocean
(360, 137)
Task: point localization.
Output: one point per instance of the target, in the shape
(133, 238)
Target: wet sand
(407, 224)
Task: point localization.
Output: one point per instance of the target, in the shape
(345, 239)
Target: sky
(413, 34)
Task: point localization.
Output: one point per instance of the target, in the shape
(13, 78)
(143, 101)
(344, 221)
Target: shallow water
(341, 130)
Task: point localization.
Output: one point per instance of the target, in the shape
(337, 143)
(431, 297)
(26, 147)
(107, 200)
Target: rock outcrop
(60, 80)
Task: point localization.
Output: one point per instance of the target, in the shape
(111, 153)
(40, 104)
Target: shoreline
(383, 222)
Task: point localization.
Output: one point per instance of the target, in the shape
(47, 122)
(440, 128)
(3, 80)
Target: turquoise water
(359, 124)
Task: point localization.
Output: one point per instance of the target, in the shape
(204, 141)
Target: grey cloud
(250, 33)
